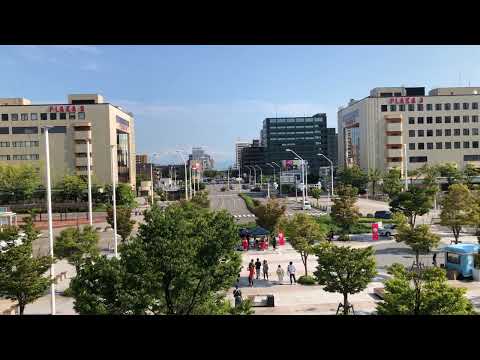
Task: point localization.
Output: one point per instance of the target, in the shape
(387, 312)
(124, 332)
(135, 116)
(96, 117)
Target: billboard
(288, 165)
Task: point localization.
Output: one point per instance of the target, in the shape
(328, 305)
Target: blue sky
(184, 96)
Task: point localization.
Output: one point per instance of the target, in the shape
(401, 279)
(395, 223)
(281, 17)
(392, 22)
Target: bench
(262, 300)
(380, 292)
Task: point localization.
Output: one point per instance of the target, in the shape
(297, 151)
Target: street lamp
(185, 180)
(249, 174)
(50, 223)
(303, 172)
(406, 166)
(280, 176)
(89, 176)
(261, 176)
(273, 167)
(114, 200)
(254, 174)
(331, 171)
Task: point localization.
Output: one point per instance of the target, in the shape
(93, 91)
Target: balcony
(83, 135)
(394, 153)
(394, 140)
(389, 126)
(84, 171)
(82, 161)
(82, 148)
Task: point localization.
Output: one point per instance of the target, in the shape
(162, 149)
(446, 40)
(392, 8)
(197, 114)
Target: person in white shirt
(280, 274)
(291, 272)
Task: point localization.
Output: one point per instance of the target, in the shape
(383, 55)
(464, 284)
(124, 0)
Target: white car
(388, 230)
(307, 206)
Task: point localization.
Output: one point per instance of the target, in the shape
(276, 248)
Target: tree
(354, 176)
(422, 292)
(182, 258)
(18, 182)
(345, 270)
(451, 172)
(201, 199)
(392, 182)
(303, 233)
(124, 195)
(22, 275)
(344, 212)
(459, 208)
(72, 187)
(469, 172)
(374, 177)
(269, 214)
(414, 202)
(420, 239)
(315, 193)
(76, 245)
(124, 222)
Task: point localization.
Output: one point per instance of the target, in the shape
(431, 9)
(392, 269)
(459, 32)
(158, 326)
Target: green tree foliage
(269, 214)
(374, 177)
(18, 182)
(459, 208)
(344, 212)
(469, 172)
(392, 182)
(22, 275)
(201, 199)
(182, 258)
(72, 187)
(315, 193)
(420, 239)
(422, 292)
(77, 245)
(303, 233)
(414, 202)
(124, 222)
(344, 270)
(124, 195)
(211, 173)
(353, 176)
(451, 172)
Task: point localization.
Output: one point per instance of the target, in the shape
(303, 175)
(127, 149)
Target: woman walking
(280, 274)
(265, 270)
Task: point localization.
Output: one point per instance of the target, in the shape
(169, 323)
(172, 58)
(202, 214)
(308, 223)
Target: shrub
(343, 237)
(476, 259)
(307, 280)
(67, 292)
(369, 215)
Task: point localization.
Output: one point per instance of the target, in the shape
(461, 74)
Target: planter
(476, 274)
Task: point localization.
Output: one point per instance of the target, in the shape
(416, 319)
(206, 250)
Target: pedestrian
(435, 259)
(274, 243)
(258, 266)
(265, 270)
(251, 272)
(237, 295)
(251, 264)
(280, 274)
(291, 272)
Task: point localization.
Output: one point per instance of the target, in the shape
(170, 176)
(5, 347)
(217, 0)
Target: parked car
(307, 206)
(256, 189)
(383, 214)
(387, 230)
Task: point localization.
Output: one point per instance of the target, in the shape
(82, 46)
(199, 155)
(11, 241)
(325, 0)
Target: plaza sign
(405, 100)
(66, 108)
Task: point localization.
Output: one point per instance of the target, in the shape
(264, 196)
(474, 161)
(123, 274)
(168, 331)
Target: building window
(71, 116)
(429, 120)
(466, 106)
(466, 144)
(53, 116)
(384, 108)
(411, 107)
(420, 133)
(475, 144)
(438, 107)
(448, 106)
(429, 107)
(466, 119)
(448, 145)
(4, 130)
(393, 107)
(438, 145)
(456, 106)
(25, 130)
(14, 117)
(57, 130)
(456, 119)
(421, 146)
(417, 159)
(43, 116)
(466, 132)
(475, 131)
(429, 132)
(4, 157)
(33, 116)
(4, 143)
(475, 106)
(63, 116)
(471, 157)
(419, 107)
(456, 145)
(411, 120)
(429, 146)
(411, 146)
(411, 133)
(81, 116)
(24, 117)
(438, 120)
(420, 120)
(448, 132)
(456, 132)
(401, 107)
(448, 119)
(438, 132)
(474, 118)
(4, 117)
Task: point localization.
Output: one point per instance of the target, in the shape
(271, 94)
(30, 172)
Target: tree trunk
(21, 308)
(304, 260)
(417, 255)
(373, 190)
(456, 233)
(345, 304)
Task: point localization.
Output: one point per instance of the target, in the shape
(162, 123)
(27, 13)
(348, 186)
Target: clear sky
(184, 96)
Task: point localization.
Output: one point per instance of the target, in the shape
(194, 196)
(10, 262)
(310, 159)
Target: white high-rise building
(239, 145)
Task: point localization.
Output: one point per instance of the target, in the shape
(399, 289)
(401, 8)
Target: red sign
(404, 100)
(66, 108)
(281, 239)
(374, 231)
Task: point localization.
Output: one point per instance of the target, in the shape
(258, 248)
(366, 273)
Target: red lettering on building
(82, 108)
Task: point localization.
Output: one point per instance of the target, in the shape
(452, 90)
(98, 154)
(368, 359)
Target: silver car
(387, 230)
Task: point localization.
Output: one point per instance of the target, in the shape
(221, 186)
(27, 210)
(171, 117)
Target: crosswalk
(244, 216)
(312, 213)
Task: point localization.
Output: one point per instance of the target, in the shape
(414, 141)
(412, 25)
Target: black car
(383, 215)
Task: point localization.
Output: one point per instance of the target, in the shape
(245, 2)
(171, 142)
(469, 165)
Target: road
(230, 201)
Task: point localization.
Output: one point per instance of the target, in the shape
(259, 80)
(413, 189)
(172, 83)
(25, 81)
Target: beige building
(142, 159)
(395, 124)
(86, 117)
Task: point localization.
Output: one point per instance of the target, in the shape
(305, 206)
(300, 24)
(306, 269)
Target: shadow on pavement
(394, 251)
(260, 283)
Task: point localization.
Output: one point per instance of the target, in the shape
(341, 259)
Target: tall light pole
(273, 167)
(331, 172)
(303, 172)
(186, 173)
(89, 189)
(254, 175)
(406, 166)
(280, 176)
(249, 174)
(261, 176)
(228, 179)
(114, 199)
(191, 189)
(50, 222)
